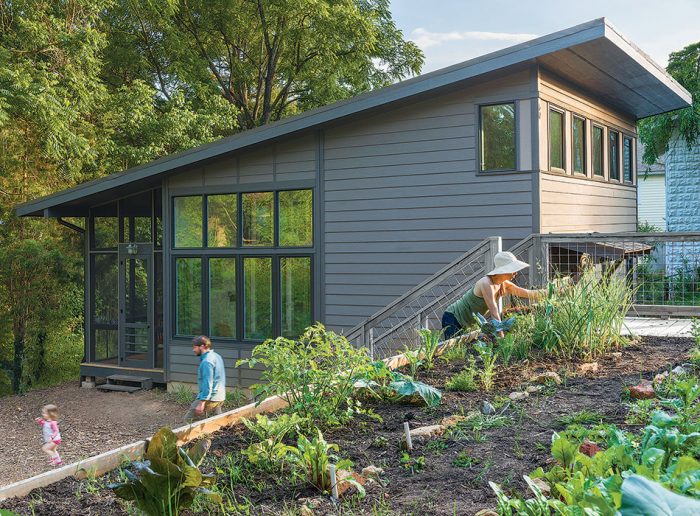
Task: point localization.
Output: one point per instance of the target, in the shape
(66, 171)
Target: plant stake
(334, 482)
(407, 433)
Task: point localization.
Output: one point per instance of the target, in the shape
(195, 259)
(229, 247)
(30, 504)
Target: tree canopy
(656, 132)
(92, 87)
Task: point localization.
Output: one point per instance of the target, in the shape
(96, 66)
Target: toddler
(52, 437)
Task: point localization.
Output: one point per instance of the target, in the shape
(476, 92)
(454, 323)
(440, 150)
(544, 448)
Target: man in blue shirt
(211, 379)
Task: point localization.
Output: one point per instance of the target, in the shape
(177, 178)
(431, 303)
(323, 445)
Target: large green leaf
(163, 445)
(564, 451)
(642, 497)
(409, 387)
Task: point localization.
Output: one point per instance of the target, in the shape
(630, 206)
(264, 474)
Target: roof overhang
(592, 55)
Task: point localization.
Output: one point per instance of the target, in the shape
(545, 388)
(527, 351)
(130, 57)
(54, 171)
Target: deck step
(118, 388)
(124, 380)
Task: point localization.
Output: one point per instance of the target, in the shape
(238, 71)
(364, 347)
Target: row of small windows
(619, 160)
(498, 144)
(255, 219)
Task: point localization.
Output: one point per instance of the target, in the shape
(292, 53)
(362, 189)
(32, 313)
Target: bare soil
(91, 422)
(501, 455)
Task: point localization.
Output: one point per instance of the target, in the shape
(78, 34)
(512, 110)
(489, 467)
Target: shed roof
(593, 55)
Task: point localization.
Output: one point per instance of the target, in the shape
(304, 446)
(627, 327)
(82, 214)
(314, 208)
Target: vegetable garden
(560, 415)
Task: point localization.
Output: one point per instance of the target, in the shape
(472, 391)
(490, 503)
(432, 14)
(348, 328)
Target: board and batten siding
(402, 196)
(574, 203)
(283, 164)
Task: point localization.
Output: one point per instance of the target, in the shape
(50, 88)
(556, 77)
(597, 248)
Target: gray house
(332, 214)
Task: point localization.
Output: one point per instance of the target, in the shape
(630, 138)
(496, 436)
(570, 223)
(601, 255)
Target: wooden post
(371, 343)
(407, 435)
(334, 482)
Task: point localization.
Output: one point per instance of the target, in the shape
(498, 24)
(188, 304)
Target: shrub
(169, 478)
(314, 374)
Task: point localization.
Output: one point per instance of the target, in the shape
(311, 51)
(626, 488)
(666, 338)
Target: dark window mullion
(206, 316)
(276, 297)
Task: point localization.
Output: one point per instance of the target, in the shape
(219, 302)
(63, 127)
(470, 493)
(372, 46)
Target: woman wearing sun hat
(484, 295)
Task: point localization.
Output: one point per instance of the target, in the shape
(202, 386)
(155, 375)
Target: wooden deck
(652, 327)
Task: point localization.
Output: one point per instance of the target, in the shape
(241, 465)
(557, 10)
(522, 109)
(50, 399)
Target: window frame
(601, 176)
(618, 161)
(275, 253)
(574, 118)
(562, 112)
(480, 143)
(632, 160)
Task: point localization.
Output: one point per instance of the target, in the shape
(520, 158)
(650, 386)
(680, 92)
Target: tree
(656, 132)
(268, 58)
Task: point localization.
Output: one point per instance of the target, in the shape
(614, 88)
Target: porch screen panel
(188, 296)
(187, 215)
(257, 298)
(295, 285)
(222, 220)
(556, 139)
(222, 297)
(105, 289)
(258, 219)
(106, 232)
(106, 344)
(614, 149)
(578, 143)
(627, 157)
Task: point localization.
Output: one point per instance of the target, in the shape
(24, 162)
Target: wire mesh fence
(663, 269)
(396, 326)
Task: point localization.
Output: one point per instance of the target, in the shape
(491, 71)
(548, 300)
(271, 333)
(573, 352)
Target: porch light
(132, 248)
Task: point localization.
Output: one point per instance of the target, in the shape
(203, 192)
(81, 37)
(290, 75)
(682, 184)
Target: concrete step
(118, 388)
(141, 382)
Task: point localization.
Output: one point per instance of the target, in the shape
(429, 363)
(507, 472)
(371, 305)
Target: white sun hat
(505, 263)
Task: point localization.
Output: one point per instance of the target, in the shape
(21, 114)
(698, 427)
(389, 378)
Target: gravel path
(92, 422)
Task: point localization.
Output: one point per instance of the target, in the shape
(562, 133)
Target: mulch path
(92, 422)
(441, 488)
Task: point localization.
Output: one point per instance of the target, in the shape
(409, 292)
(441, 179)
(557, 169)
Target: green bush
(169, 478)
(314, 374)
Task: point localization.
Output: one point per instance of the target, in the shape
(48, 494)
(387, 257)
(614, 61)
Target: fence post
(495, 247)
(540, 261)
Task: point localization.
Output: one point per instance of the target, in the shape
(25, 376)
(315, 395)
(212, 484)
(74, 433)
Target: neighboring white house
(651, 191)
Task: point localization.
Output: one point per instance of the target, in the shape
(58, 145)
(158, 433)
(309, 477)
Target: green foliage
(464, 460)
(641, 496)
(582, 417)
(455, 353)
(430, 341)
(314, 374)
(464, 381)
(413, 464)
(640, 412)
(658, 131)
(582, 320)
(413, 357)
(169, 478)
(488, 364)
(268, 451)
(381, 382)
(312, 459)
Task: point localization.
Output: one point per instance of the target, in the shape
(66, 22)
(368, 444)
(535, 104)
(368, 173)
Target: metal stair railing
(396, 326)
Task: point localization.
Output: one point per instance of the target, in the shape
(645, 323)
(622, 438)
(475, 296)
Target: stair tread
(128, 378)
(116, 387)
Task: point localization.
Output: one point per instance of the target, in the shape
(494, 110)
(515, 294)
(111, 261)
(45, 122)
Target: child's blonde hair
(51, 411)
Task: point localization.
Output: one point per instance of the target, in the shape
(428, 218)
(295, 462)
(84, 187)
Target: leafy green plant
(640, 412)
(488, 360)
(312, 458)
(413, 464)
(582, 417)
(455, 353)
(465, 380)
(430, 342)
(413, 357)
(268, 451)
(314, 374)
(169, 478)
(383, 383)
(492, 327)
(505, 347)
(642, 496)
(437, 446)
(464, 460)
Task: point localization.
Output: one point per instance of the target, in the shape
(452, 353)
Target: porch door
(136, 305)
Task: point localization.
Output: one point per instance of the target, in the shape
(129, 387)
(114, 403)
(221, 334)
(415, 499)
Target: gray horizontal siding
(402, 198)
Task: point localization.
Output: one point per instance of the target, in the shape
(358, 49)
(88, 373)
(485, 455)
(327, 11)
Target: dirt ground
(91, 422)
(502, 455)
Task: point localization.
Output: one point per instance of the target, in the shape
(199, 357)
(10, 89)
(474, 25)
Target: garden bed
(442, 475)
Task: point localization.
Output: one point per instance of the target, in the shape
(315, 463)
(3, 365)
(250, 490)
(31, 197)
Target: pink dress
(50, 431)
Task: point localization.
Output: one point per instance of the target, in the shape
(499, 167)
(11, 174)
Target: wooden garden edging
(105, 462)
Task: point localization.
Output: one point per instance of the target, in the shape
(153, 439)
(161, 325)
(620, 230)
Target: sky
(451, 31)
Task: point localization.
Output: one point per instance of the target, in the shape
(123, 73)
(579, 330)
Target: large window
(556, 139)
(627, 160)
(578, 145)
(497, 124)
(251, 278)
(597, 144)
(614, 155)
